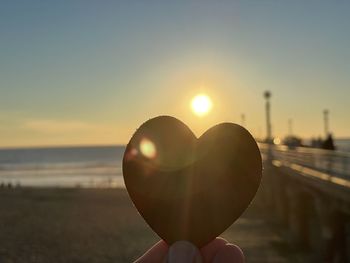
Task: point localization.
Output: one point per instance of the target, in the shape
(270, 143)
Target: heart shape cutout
(188, 188)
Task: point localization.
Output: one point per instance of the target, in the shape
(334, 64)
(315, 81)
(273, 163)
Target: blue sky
(90, 72)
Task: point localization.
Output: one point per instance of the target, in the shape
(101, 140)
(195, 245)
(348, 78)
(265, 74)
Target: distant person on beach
(217, 251)
(328, 144)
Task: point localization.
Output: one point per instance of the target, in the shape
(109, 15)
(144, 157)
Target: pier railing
(334, 163)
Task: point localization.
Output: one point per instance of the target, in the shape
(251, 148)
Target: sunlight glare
(201, 105)
(277, 141)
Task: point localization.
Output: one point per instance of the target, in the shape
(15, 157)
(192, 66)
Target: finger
(229, 253)
(209, 251)
(155, 254)
(184, 252)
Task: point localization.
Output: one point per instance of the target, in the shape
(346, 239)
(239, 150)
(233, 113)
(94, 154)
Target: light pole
(326, 122)
(290, 127)
(267, 96)
(243, 120)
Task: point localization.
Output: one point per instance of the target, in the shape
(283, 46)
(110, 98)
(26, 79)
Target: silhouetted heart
(188, 188)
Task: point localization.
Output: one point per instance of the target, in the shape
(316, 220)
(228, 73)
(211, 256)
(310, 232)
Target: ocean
(62, 167)
(342, 145)
(99, 166)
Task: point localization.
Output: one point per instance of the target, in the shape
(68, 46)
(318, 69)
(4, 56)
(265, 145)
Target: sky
(91, 72)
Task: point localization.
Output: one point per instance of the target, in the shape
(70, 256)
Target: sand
(101, 225)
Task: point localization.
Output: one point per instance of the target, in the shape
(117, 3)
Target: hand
(217, 251)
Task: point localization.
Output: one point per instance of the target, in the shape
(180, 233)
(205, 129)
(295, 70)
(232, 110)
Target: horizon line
(102, 145)
(60, 146)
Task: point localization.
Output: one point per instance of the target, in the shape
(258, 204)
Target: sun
(201, 105)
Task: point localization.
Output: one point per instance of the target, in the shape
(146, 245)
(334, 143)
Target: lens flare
(147, 148)
(201, 105)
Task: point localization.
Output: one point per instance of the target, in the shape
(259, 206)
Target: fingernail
(182, 251)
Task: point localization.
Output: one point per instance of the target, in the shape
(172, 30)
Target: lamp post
(326, 122)
(243, 120)
(290, 127)
(267, 96)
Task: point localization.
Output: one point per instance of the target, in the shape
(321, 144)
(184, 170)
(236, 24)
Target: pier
(307, 192)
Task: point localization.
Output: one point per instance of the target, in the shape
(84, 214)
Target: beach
(71, 205)
(102, 225)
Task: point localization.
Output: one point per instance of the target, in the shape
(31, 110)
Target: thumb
(184, 252)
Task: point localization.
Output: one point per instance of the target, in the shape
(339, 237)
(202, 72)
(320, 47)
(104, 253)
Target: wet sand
(101, 225)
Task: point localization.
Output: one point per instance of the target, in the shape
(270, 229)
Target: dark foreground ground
(101, 225)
